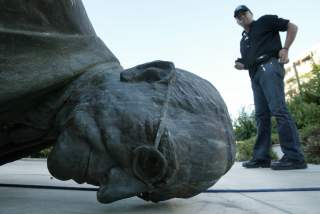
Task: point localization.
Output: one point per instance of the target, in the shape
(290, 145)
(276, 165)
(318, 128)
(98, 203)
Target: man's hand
(239, 65)
(283, 56)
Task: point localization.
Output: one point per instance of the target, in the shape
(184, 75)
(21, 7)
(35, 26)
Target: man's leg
(262, 146)
(272, 85)
(261, 151)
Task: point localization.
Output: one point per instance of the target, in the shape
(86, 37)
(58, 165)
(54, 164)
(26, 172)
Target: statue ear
(156, 71)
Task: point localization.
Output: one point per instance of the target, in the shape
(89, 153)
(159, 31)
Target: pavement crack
(266, 203)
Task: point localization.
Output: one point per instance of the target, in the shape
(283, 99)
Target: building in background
(299, 71)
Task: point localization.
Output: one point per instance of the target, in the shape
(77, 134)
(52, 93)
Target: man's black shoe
(256, 164)
(287, 164)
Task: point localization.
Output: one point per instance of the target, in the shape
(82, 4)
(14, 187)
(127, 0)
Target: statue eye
(153, 74)
(157, 71)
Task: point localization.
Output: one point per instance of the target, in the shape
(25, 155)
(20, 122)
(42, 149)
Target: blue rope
(303, 189)
(49, 187)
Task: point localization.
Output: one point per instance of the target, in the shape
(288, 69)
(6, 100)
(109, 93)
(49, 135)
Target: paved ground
(31, 201)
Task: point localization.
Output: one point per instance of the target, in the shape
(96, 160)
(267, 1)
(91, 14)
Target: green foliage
(304, 113)
(309, 131)
(310, 93)
(245, 150)
(275, 138)
(244, 126)
(311, 89)
(42, 154)
(311, 143)
(312, 151)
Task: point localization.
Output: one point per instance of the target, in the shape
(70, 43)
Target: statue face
(151, 131)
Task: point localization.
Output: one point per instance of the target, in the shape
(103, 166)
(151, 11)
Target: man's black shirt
(263, 38)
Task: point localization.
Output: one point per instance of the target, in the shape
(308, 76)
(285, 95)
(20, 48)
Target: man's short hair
(239, 9)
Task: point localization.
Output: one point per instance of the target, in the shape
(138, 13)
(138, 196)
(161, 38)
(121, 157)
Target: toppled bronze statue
(152, 131)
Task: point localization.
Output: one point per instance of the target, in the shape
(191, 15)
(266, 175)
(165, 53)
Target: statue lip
(117, 184)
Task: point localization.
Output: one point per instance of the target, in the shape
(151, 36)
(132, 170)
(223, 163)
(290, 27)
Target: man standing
(263, 55)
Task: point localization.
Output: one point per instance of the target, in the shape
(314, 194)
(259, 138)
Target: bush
(312, 151)
(275, 138)
(305, 107)
(245, 125)
(305, 114)
(42, 154)
(310, 138)
(245, 150)
(308, 131)
(311, 89)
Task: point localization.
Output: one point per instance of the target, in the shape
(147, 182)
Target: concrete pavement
(35, 201)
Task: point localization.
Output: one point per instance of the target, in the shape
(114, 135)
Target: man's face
(244, 18)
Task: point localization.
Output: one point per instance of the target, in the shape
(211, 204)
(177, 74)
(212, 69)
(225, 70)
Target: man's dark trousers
(269, 100)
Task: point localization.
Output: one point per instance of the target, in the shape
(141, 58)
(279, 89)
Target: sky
(198, 36)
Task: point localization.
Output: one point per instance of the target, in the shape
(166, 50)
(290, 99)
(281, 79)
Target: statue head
(153, 131)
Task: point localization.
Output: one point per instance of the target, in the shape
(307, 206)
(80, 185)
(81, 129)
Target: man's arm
(291, 35)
